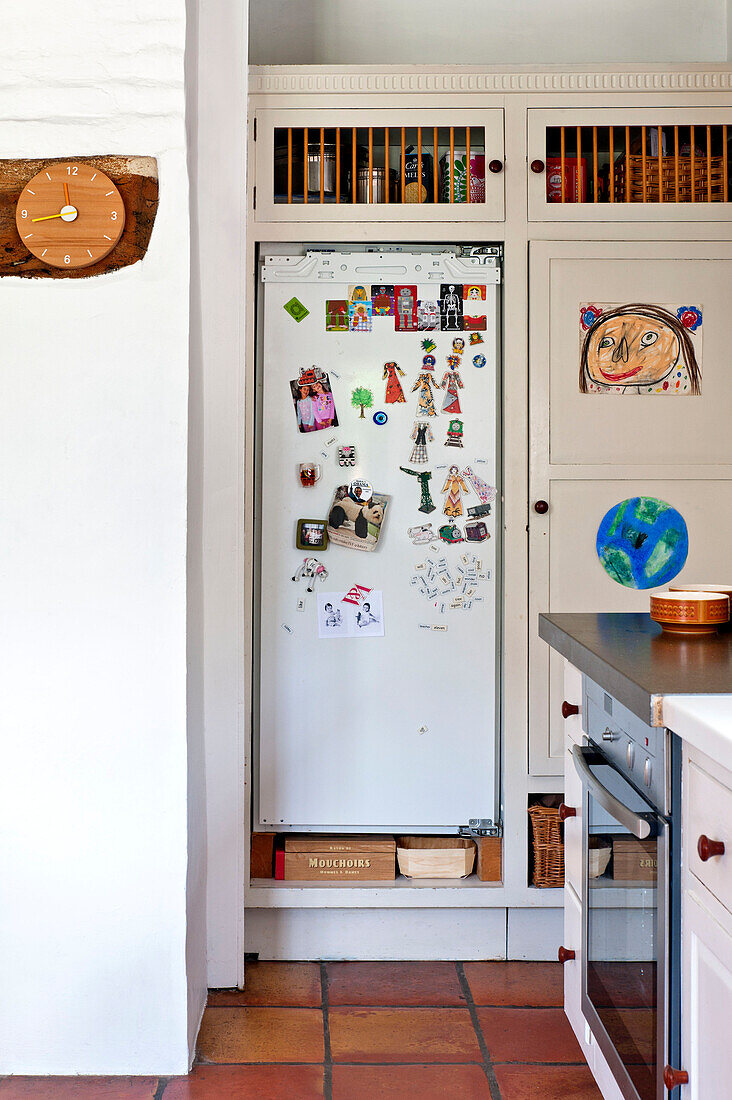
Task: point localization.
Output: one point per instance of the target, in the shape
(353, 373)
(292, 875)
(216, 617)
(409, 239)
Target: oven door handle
(634, 823)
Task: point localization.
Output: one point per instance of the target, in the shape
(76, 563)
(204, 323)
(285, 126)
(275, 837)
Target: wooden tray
(435, 856)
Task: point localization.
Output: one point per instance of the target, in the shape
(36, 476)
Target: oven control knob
(673, 1077)
(706, 848)
(630, 753)
(647, 771)
(565, 954)
(609, 735)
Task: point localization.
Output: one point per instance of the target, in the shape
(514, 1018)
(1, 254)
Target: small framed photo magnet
(312, 534)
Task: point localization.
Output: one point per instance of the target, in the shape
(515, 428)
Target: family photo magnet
(313, 401)
(311, 534)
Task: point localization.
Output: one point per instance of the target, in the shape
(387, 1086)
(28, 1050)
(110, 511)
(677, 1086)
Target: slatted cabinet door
(589, 451)
(635, 164)
(332, 165)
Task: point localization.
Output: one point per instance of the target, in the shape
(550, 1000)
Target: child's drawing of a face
(631, 350)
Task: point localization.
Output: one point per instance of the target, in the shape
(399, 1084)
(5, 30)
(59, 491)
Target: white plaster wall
(93, 440)
(486, 32)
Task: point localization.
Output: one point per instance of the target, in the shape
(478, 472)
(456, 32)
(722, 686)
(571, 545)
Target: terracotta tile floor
(368, 1031)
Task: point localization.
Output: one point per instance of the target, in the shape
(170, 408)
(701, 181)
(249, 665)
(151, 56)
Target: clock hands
(68, 213)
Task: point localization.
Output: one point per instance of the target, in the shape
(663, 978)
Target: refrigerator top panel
(376, 668)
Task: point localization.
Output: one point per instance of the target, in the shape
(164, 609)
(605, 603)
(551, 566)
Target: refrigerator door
(398, 731)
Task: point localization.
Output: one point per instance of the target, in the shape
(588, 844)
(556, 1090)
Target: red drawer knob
(565, 954)
(495, 165)
(541, 506)
(566, 811)
(707, 848)
(537, 166)
(673, 1077)
(568, 709)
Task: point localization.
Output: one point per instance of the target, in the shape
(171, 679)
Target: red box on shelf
(554, 179)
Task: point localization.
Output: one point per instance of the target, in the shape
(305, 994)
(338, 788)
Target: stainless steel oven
(631, 901)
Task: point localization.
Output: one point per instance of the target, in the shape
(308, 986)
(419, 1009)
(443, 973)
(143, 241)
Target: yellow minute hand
(48, 217)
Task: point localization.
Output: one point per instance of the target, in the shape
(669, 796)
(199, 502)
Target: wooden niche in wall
(136, 179)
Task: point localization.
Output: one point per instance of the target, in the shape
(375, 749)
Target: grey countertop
(634, 661)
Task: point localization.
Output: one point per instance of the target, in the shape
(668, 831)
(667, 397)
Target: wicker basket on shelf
(548, 847)
(643, 187)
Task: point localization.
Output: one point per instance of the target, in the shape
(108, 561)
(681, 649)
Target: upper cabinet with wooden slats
(630, 164)
(379, 165)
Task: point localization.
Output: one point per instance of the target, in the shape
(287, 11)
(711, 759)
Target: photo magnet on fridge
(451, 307)
(405, 308)
(313, 400)
(356, 521)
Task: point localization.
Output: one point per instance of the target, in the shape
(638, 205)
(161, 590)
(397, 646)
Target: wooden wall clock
(75, 218)
(70, 215)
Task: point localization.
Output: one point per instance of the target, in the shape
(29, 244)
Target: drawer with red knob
(707, 832)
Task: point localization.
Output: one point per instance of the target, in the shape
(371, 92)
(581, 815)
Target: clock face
(70, 215)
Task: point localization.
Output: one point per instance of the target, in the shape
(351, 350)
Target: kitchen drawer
(708, 806)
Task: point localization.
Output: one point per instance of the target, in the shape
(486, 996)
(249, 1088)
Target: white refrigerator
(376, 671)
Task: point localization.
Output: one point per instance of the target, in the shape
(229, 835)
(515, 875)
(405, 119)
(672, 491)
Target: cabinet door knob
(707, 848)
(673, 1077)
(495, 165)
(565, 954)
(566, 811)
(568, 709)
(541, 506)
(537, 166)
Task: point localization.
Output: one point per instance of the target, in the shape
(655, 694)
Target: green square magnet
(296, 309)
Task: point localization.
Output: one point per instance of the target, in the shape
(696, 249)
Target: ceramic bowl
(689, 612)
(722, 589)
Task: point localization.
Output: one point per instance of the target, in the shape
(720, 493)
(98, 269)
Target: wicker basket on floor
(548, 847)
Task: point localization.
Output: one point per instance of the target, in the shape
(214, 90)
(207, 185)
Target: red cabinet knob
(708, 848)
(537, 166)
(565, 954)
(566, 811)
(673, 1077)
(541, 506)
(568, 709)
(495, 165)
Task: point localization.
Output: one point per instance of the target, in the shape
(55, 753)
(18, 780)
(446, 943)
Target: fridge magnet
(473, 293)
(333, 621)
(405, 311)
(483, 490)
(428, 316)
(642, 542)
(428, 362)
(451, 383)
(311, 535)
(382, 301)
(640, 349)
(479, 361)
(458, 345)
(346, 456)
(428, 345)
(423, 476)
(309, 473)
(421, 436)
(476, 531)
(475, 338)
(394, 391)
(453, 361)
(454, 487)
(356, 524)
(380, 418)
(454, 434)
(478, 510)
(369, 619)
(359, 490)
(356, 595)
(313, 400)
(450, 533)
(296, 309)
(451, 307)
(301, 603)
(420, 534)
(425, 400)
(336, 316)
(312, 570)
(362, 398)
(474, 324)
(359, 317)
